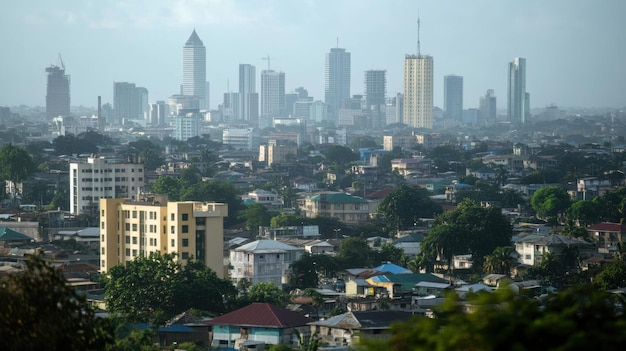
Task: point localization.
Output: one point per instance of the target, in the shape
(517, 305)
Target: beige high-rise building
(418, 91)
(191, 230)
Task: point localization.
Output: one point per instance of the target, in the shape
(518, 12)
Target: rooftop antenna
(337, 42)
(418, 35)
(268, 61)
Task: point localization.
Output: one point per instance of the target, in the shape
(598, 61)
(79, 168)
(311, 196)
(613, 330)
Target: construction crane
(268, 61)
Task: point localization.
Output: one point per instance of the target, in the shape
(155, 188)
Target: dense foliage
(155, 288)
(405, 206)
(39, 311)
(580, 319)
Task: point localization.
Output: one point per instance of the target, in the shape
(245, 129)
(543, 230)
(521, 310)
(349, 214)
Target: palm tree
(500, 261)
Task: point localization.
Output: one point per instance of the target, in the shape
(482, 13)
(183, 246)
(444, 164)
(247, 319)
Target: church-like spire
(194, 39)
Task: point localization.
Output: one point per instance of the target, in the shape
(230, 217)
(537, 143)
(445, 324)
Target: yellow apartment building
(191, 230)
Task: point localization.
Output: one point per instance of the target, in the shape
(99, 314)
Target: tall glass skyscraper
(337, 81)
(453, 96)
(272, 96)
(248, 97)
(518, 99)
(58, 91)
(194, 71)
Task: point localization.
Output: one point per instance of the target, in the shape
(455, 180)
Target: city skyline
(556, 38)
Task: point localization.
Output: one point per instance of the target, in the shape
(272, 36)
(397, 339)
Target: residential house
(397, 285)
(266, 198)
(437, 289)
(533, 248)
(304, 183)
(263, 261)
(347, 208)
(319, 247)
(349, 328)
(410, 243)
(258, 323)
(607, 235)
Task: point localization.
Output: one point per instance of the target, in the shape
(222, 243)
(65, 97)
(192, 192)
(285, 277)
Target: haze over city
(574, 49)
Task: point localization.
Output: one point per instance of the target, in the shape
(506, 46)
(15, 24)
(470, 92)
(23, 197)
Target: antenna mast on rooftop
(418, 35)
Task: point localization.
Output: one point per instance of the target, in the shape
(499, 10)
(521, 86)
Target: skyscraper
(194, 71)
(58, 91)
(272, 96)
(518, 99)
(453, 96)
(248, 97)
(487, 112)
(418, 89)
(375, 96)
(337, 81)
(129, 101)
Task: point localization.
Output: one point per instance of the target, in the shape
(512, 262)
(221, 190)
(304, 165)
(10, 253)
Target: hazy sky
(575, 49)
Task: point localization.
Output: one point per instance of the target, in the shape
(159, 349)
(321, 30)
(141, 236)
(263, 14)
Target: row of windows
(109, 170)
(117, 179)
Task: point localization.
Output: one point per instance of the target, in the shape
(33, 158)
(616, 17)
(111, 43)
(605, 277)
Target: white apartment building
(263, 261)
(191, 230)
(102, 178)
(241, 138)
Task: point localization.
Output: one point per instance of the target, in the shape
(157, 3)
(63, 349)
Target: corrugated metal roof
(262, 315)
(261, 246)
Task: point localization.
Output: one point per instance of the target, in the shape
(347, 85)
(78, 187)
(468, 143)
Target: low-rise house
(397, 285)
(437, 289)
(319, 247)
(533, 248)
(410, 243)
(260, 323)
(462, 261)
(496, 280)
(349, 328)
(359, 288)
(263, 261)
(266, 198)
(349, 209)
(607, 235)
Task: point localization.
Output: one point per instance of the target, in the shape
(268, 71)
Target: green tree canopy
(550, 201)
(340, 155)
(267, 292)
(584, 212)
(468, 229)
(40, 311)
(169, 186)
(256, 215)
(613, 205)
(155, 288)
(581, 319)
(354, 252)
(17, 165)
(405, 206)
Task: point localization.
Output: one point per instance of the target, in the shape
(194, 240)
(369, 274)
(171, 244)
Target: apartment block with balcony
(263, 261)
(191, 230)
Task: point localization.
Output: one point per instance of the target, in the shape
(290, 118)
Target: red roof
(260, 314)
(608, 227)
(379, 194)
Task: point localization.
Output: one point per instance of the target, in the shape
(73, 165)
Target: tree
(468, 229)
(390, 253)
(579, 319)
(354, 252)
(155, 288)
(613, 205)
(584, 213)
(267, 292)
(305, 271)
(403, 208)
(70, 144)
(217, 191)
(340, 155)
(256, 215)
(17, 165)
(169, 186)
(550, 201)
(499, 261)
(40, 311)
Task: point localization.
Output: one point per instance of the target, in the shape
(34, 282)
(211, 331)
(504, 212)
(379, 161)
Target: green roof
(408, 281)
(10, 234)
(338, 198)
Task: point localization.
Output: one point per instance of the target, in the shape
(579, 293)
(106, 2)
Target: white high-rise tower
(418, 89)
(194, 71)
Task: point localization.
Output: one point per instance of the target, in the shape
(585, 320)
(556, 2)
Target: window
(134, 240)
(102, 213)
(128, 252)
(185, 229)
(185, 216)
(172, 230)
(185, 255)
(127, 226)
(134, 253)
(103, 250)
(102, 238)
(134, 227)
(128, 239)
(185, 242)
(103, 263)
(173, 243)
(102, 225)
(173, 217)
